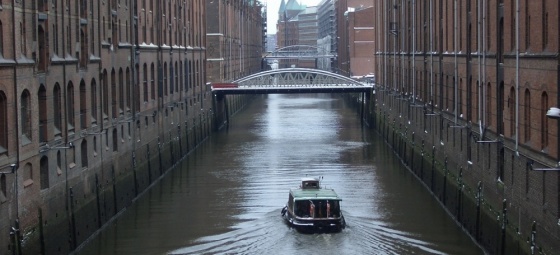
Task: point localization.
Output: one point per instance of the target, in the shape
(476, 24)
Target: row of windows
(534, 18)
(116, 100)
(70, 153)
(449, 101)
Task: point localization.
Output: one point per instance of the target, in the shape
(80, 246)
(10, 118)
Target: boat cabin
(312, 201)
(310, 183)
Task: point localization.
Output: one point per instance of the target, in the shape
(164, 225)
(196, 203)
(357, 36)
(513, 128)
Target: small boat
(313, 208)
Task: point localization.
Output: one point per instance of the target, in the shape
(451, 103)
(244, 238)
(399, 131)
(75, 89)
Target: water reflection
(226, 198)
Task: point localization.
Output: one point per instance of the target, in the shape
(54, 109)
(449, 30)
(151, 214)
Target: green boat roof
(313, 194)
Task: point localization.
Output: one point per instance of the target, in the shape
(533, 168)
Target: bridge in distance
(288, 81)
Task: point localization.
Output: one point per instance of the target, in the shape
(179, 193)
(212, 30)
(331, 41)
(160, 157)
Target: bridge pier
(221, 116)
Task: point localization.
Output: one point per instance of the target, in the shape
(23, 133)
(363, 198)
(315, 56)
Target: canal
(227, 195)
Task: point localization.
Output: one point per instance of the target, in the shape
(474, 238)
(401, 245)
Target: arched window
(176, 74)
(171, 80)
(43, 54)
(114, 94)
(511, 105)
(43, 114)
(83, 48)
(3, 123)
(84, 153)
(489, 104)
(115, 140)
(83, 104)
(58, 163)
(93, 102)
(1, 40)
(57, 109)
(165, 79)
(44, 172)
(544, 121)
(70, 106)
(27, 175)
(105, 97)
(3, 189)
(527, 116)
(145, 82)
(152, 82)
(26, 117)
(181, 77)
(128, 85)
(121, 91)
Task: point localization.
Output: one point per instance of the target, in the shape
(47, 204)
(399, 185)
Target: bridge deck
(291, 90)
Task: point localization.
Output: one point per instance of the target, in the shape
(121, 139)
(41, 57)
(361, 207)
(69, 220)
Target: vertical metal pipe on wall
(455, 41)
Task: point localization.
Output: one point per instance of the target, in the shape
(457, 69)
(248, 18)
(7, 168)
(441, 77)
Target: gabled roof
(293, 5)
(282, 7)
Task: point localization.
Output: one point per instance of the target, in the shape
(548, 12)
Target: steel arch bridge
(299, 52)
(292, 81)
(288, 81)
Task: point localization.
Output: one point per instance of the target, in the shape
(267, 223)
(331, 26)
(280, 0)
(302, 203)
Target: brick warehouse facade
(97, 100)
(467, 111)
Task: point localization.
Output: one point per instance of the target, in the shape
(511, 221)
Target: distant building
(341, 7)
(307, 33)
(287, 27)
(326, 34)
(271, 42)
(361, 41)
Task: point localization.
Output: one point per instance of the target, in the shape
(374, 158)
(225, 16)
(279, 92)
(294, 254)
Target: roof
(294, 5)
(314, 194)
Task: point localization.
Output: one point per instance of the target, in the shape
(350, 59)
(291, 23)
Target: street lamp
(553, 113)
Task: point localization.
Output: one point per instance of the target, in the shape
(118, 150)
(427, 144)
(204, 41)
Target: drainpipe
(413, 52)
(480, 69)
(517, 77)
(455, 40)
(484, 88)
(431, 56)
(16, 107)
(558, 125)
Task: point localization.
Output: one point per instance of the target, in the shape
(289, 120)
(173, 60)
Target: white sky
(272, 11)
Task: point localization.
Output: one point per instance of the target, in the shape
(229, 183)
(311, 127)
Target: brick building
(471, 82)
(342, 64)
(92, 95)
(235, 42)
(361, 43)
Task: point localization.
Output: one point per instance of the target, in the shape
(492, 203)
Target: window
(70, 106)
(57, 108)
(93, 102)
(43, 55)
(121, 92)
(43, 114)
(115, 140)
(145, 82)
(3, 189)
(152, 82)
(83, 105)
(544, 121)
(114, 94)
(527, 116)
(44, 172)
(3, 123)
(84, 153)
(83, 48)
(128, 85)
(105, 97)
(165, 78)
(1, 40)
(26, 117)
(27, 175)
